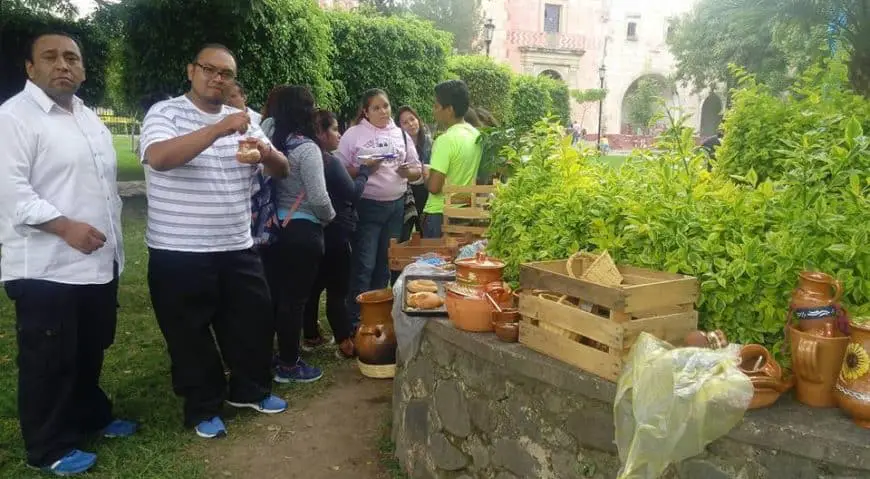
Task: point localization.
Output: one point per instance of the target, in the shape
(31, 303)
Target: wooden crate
(466, 210)
(403, 254)
(661, 304)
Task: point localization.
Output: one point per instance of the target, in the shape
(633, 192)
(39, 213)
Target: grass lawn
(136, 376)
(612, 160)
(129, 168)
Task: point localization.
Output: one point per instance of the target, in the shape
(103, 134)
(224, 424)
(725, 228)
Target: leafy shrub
(487, 81)
(745, 241)
(761, 122)
(531, 101)
(560, 97)
(276, 42)
(17, 27)
(403, 55)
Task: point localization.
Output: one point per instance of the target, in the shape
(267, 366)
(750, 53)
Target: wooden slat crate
(597, 340)
(403, 254)
(466, 210)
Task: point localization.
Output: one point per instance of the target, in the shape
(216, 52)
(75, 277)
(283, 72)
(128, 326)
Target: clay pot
(376, 339)
(701, 339)
(506, 316)
(756, 361)
(816, 361)
(507, 332)
(853, 385)
(768, 390)
(469, 313)
(815, 303)
(480, 270)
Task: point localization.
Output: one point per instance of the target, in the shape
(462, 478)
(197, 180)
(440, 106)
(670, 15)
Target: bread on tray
(424, 300)
(422, 286)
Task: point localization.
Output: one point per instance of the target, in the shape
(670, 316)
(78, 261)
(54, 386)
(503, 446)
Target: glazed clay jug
(815, 303)
(376, 339)
(853, 386)
(816, 361)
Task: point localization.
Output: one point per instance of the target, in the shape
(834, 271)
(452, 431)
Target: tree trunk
(859, 72)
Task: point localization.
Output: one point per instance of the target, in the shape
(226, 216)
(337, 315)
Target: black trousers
(292, 264)
(63, 332)
(194, 294)
(334, 277)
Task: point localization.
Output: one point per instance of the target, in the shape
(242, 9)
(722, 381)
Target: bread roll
(425, 300)
(422, 286)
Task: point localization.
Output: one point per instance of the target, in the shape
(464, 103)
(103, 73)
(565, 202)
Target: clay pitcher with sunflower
(853, 386)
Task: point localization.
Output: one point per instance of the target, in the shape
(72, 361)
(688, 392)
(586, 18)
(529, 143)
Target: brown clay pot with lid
(375, 339)
(814, 303)
(480, 270)
(853, 384)
(816, 362)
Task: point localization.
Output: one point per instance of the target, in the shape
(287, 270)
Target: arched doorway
(711, 115)
(551, 74)
(642, 101)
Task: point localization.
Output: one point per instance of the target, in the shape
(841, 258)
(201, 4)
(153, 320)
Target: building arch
(666, 90)
(550, 73)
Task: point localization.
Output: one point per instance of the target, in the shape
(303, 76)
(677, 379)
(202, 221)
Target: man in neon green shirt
(455, 154)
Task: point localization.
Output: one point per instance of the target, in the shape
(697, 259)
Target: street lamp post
(488, 31)
(601, 71)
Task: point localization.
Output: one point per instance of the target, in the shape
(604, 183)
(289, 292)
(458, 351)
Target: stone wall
(468, 406)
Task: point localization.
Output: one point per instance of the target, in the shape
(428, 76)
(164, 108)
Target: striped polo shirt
(203, 206)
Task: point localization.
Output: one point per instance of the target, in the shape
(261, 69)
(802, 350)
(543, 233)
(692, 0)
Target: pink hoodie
(367, 139)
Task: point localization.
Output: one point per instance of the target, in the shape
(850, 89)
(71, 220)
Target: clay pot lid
(481, 261)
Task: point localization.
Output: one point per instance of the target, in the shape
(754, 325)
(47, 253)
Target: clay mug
(816, 362)
(756, 361)
(814, 303)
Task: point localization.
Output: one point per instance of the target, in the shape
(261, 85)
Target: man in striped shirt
(202, 271)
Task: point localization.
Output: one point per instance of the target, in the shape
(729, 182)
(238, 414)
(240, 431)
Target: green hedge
(17, 27)
(761, 122)
(489, 83)
(531, 101)
(560, 98)
(276, 42)
(405, 56)
(746, 240)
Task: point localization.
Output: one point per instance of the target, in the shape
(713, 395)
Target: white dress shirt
(56, 163)
(256, 118)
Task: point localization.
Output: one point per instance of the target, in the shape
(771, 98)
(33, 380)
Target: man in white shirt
(202, 271)
(237, 98)
(60, 226)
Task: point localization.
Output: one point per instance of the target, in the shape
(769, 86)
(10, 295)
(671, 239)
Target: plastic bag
(672, 402)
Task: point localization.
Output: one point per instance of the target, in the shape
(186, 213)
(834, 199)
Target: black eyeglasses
(212, 72)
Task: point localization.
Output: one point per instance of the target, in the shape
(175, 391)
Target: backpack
(265, 225)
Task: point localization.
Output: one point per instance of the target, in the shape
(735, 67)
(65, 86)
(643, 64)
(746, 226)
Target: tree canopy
(462, 18)
(770, 39)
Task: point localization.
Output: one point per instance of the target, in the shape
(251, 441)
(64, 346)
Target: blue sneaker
(120, 428)
(298, 373)
(75, 462)
(271, 405)
(212, 428)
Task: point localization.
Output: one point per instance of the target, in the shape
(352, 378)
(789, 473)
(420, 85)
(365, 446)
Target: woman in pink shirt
(382, 207)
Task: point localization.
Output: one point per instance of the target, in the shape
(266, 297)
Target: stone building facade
(571, 39)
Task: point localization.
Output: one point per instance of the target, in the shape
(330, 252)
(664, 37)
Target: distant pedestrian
(237, 98)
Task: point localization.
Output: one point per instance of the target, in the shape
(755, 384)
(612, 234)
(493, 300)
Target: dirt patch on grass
(333, 434)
